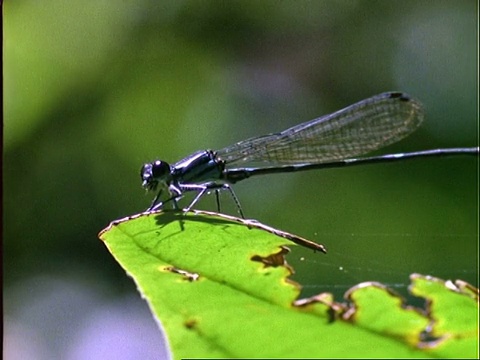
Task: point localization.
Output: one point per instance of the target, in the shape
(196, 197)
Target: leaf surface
(220, 287)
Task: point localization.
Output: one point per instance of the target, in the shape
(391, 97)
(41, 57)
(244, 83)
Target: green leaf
(381, 310)
(453, 309)
(219, 286)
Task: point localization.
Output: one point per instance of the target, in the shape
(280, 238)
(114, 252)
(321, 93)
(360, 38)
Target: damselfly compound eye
(153, 173)
(160, 169)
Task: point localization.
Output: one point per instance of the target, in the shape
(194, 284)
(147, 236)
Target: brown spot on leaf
(190, 323)
(277, 259)
(333, 309)
(187, 275)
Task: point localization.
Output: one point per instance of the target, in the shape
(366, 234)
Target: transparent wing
(358, 129)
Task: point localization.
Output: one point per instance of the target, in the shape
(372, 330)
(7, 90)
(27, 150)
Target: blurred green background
(94, 89)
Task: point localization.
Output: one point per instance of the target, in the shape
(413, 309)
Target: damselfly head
(154, 173)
